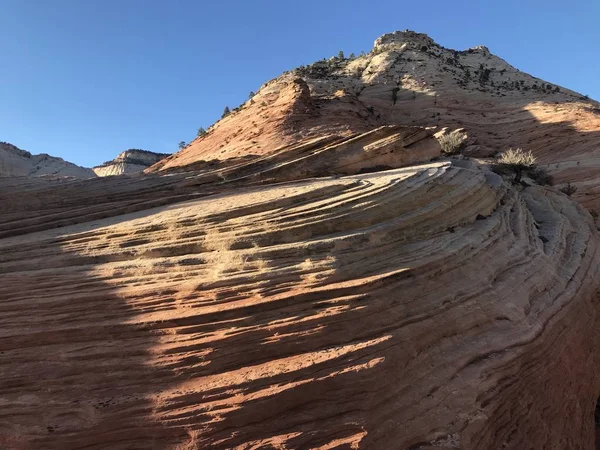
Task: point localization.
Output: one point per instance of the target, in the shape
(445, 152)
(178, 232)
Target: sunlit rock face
(129, 161)
(343, 291)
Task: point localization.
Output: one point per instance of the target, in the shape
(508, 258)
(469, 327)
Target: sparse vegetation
(452, 143)
(341, 54)
(201, 132)
(251, 94)
(484, 74)
(181, 145)
(517, 158)
(323, 69)
(569, 189)
(516, 161)
(226, 112)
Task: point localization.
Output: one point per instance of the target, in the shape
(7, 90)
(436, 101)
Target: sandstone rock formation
(408, 79)
(228, 307)
(129, 161)
(314, 274)
(15, 162)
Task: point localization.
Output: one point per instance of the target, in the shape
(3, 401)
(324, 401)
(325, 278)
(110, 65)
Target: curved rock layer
(29, 205)
(420, 307)
(408, 79)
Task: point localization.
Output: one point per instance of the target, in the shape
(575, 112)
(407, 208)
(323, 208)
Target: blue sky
(86, 79)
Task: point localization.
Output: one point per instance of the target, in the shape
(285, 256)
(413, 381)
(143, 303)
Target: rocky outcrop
(408, 79)
(15, 162)
(129, 161)
(297, 299)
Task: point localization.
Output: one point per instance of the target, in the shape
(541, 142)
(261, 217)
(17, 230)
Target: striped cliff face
(343, 292)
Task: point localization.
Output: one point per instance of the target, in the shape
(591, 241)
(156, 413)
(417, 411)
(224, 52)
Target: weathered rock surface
(408, 79)
(15, 162)
(291, 300)
(129, 161)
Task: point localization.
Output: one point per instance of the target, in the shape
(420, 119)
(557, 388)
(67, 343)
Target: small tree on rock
(251, 94)
(182, 145)
(341, 55)
(226, 112)
(201, 131)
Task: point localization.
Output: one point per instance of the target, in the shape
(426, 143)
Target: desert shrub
(452, 142)
(517, 158)
(569, 189)
(182, 145)
(518, 162)
(226, 112)
(201, 132)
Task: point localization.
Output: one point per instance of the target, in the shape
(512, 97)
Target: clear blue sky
(86, 79)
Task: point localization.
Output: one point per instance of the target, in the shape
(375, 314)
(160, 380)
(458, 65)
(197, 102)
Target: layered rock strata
(299, 300)
(129, 161)
(408, 79)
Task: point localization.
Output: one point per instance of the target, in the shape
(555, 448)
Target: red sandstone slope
(280, 114)
(415, 308)
(331, 289)
(409, 79)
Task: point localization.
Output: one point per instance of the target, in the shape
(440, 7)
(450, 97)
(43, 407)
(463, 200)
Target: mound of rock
(15, 162)
(344, 291)
(129, 161)
(408, 79)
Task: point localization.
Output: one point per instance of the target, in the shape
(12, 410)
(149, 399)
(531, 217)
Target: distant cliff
(15, 162)
(129, 161)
